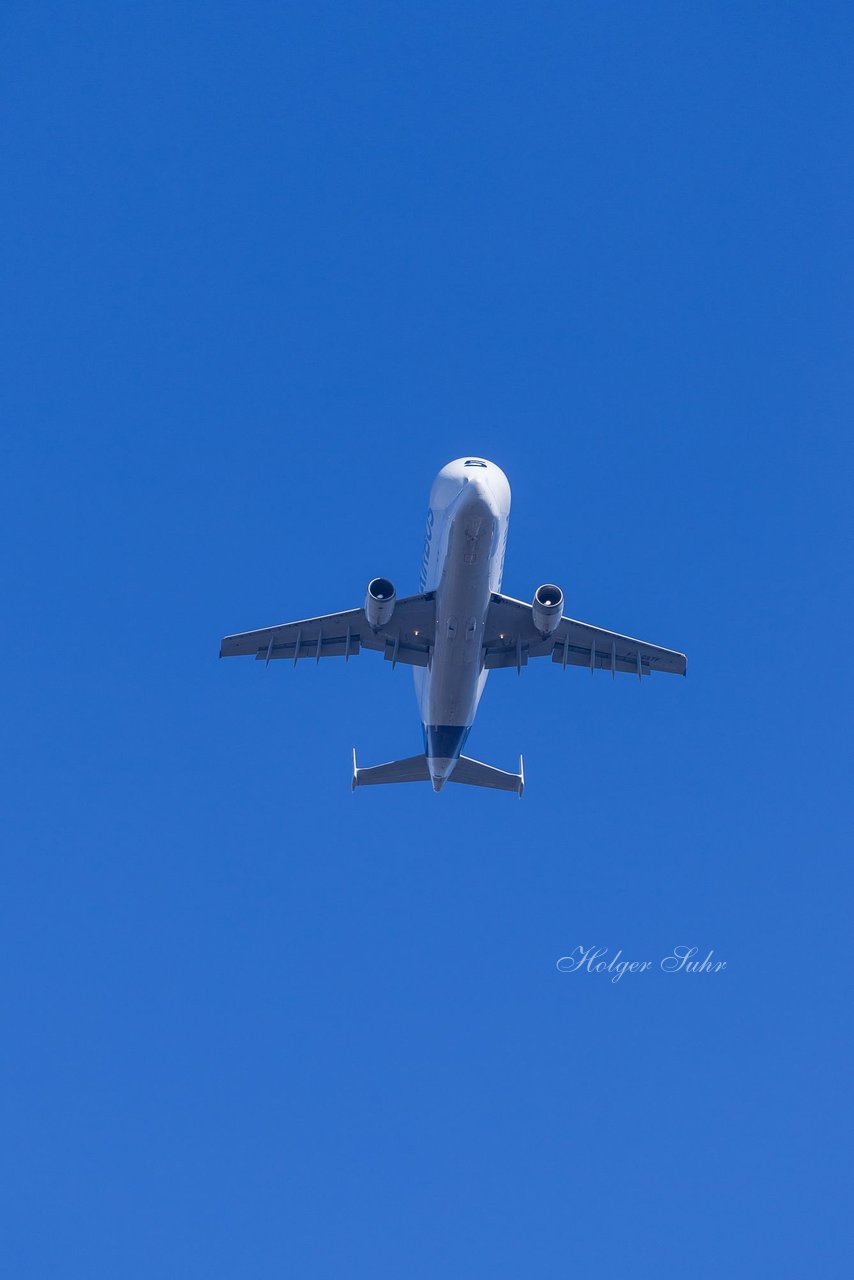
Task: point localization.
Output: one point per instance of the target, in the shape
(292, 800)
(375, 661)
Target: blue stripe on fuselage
(444, 741)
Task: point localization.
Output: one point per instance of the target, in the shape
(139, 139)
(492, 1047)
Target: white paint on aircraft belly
(462, 598)
(463, 566)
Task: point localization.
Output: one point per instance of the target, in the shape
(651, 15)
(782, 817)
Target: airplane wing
(407, 637)
(510, 639)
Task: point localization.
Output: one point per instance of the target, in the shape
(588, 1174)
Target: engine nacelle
(379, 602)
(547, 607)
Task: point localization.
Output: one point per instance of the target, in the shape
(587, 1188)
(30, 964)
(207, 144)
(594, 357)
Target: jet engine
(379, 602)
(547, 607)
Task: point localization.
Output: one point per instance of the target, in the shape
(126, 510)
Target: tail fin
(474, 774)
(413, 769)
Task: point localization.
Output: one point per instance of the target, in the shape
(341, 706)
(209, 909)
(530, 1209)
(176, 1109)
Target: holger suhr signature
(680, 960)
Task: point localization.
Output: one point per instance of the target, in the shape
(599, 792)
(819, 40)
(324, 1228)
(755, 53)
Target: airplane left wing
(510, 639)
(407, 637)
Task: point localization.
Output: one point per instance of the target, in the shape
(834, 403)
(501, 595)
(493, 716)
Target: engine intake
(379, 602)
(547, 607)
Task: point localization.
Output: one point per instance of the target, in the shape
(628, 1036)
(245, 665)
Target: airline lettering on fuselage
(425, 559)
(501, 555)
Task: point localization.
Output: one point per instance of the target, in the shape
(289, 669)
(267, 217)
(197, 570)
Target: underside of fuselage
(467, 525)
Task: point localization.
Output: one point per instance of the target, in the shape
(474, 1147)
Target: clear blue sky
(265, 269)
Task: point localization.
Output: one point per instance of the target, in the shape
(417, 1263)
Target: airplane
(457, 629)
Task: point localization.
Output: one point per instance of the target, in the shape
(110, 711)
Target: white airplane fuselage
(463, 561)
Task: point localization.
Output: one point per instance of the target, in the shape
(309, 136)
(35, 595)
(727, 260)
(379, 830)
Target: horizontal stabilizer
(474, 774)
(412, 769)
(416, 769)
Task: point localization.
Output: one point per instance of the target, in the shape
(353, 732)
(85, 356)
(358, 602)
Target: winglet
(355, 771)
(521, 775)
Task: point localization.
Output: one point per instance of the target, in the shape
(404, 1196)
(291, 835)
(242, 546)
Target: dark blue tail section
(445, 741)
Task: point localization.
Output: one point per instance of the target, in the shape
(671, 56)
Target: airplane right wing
(511, 638)
(408, 636)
